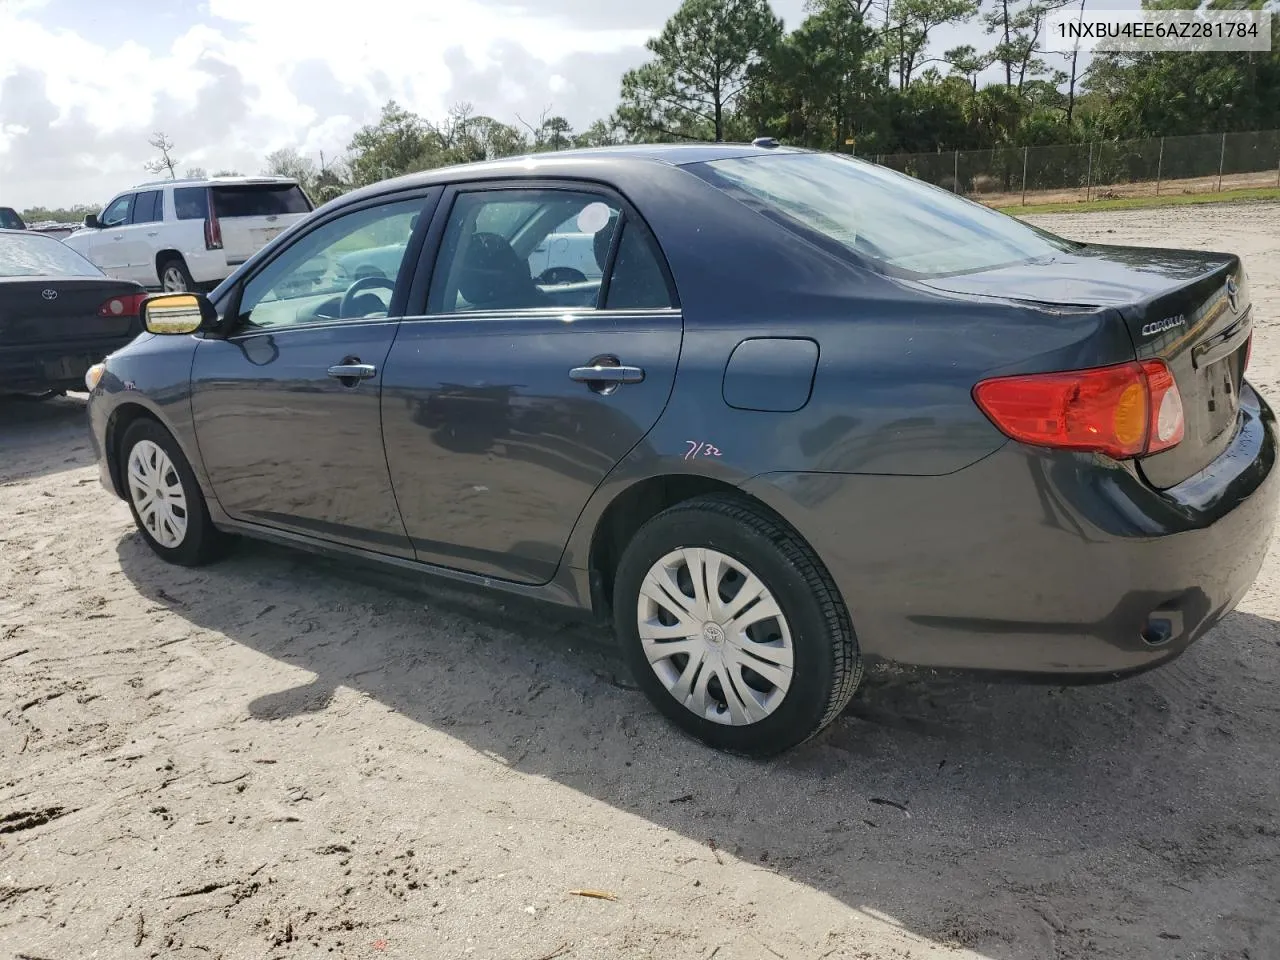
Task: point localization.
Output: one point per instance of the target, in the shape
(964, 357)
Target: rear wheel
(174, 276)
(733, 628)
(165, 498)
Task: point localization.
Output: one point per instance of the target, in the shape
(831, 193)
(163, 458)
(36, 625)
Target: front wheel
(733, 628)
(165, 498)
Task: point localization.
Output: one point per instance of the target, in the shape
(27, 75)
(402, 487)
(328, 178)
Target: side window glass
(144, 207)
(637, 282)
(523, 249)
(117, 214)
(343, 270)
(190, 203)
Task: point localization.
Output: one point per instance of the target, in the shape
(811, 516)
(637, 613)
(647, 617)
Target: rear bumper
(52, 366)
(1034, 563)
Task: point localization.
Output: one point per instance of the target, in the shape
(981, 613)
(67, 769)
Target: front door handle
(611, 374)
(352, 373)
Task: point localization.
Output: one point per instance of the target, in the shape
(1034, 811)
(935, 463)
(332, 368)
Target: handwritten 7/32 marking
(699, 449)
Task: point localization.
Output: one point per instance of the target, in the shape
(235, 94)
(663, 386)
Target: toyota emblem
(49, 294)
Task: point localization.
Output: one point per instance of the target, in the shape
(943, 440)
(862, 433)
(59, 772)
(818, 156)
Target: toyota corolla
(807, 413)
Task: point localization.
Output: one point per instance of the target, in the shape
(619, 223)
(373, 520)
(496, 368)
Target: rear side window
(259, 200)
(146, 207)
(9, 219)
(637, 281)
(893, 221)
(33, 255)
(191, 203)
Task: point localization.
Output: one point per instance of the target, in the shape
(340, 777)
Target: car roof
(212, 181)
(593, 162)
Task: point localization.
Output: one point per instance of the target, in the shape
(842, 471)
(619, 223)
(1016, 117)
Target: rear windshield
(32, 255)
(259, 200)
(9, 219)
(896, 222)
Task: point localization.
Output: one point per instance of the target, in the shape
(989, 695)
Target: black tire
(202, 541)
(179, 268)
(827, 663)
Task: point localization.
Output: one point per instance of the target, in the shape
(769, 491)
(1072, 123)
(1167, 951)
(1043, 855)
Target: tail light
(212, 232)
(1126, 410)
(126, 305)
(212, 228)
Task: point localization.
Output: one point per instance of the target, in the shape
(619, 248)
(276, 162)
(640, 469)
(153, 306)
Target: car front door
(108, 248)
(508, 401)
(286, 403)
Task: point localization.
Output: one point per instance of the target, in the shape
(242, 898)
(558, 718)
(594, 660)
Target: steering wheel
(364, 283)
(554, 276)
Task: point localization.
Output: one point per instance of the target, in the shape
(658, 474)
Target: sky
(84, 83)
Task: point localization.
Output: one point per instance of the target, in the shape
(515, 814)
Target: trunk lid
(29, 316)
(251, 214)
(1190, 309)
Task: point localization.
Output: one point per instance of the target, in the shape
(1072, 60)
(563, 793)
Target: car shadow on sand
(1021, 821)
(42, 437)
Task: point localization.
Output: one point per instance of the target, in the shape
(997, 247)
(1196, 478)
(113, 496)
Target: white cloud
(256, 75)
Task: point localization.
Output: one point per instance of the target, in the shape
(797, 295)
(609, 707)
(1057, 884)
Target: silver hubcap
(157, 494)
(173, 280)
(715, 636)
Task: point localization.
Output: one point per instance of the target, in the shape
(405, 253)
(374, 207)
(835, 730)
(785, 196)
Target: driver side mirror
(178, 313)
(91, 221)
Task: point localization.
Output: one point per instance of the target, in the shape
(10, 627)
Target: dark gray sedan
(804, 413)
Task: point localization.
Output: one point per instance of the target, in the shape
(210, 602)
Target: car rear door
(506, 403)
(139, 244)
(286, 405)
(250, 214)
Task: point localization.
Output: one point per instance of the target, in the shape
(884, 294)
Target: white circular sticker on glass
(593, 217)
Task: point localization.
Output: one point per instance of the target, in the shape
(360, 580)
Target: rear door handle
(607, 374)
(353, 371)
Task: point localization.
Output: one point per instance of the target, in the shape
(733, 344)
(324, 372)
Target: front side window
(892, 220)
(117, 213)
(523, 250)
(9, 219)
(343, 270)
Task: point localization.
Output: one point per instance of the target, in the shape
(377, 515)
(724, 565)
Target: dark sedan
(59, 314)
(811, 413)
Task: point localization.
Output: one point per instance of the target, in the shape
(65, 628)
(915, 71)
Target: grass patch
(1136, 203)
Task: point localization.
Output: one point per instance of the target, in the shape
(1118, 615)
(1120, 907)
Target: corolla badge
(1160, 326)
(49, 294)
(1233, 294)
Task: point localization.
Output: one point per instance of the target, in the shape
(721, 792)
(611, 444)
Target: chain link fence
(1108, 170)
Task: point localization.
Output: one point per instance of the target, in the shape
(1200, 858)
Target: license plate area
(1219, 384)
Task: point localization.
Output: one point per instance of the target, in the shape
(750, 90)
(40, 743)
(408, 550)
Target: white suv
(188, 234)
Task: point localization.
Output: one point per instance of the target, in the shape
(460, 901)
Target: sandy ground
(273, 758)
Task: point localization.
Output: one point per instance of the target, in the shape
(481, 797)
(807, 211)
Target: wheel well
(121, 419)
(631, 510)
(164, 255)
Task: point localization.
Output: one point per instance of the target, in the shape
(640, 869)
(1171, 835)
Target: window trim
(430, 255)
(230, 327)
